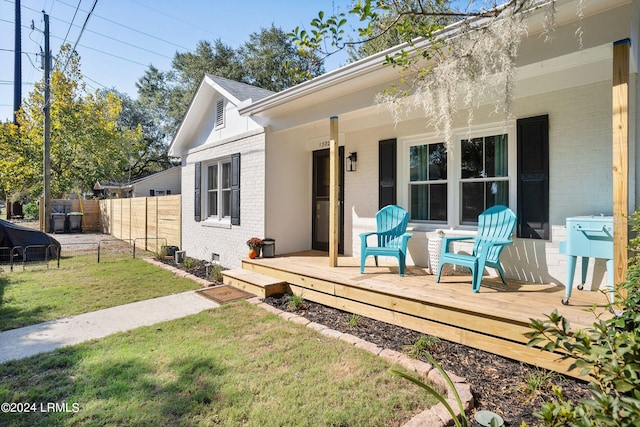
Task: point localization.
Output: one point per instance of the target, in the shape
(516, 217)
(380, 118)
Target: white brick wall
(199, 239)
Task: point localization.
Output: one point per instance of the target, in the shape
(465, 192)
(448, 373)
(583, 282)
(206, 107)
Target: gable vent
(220, 113)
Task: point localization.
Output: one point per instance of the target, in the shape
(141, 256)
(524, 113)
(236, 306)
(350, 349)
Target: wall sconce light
(352, 160)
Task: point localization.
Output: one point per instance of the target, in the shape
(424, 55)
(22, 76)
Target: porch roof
(355, 85)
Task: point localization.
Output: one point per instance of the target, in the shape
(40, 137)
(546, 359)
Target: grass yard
(231, 366)
(37, 295)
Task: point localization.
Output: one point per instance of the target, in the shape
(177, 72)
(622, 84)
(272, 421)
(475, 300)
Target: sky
(121, 38)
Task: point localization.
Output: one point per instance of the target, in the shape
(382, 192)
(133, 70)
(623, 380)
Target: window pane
(418, 163)
(429, 202)
(479, 196)
(497, 193)
(437, 162)
(496, 156)
(226, 175)
(427, 162)
(471, 158)
(472, 201)
(226, 203)
(212, 177)
(420, 202)
(212, 203)
(438, 201)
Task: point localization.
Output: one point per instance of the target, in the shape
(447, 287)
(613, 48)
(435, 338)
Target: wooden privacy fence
(149, 222)
(90, 210)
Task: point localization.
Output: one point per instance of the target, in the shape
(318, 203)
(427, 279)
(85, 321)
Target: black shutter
(387, 173)
(235, 189)
(533, 177)
(197, 197)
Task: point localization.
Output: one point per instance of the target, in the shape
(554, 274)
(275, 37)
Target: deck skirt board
(493, 320)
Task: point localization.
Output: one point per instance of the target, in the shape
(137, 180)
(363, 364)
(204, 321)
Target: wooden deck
(494, 320)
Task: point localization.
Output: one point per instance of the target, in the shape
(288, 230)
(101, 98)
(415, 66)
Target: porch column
(620, 158)
(334, 180)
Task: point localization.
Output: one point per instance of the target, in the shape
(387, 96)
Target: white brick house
(563, 98)
(223, 164)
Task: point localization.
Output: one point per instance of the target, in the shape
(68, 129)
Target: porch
(494, 320)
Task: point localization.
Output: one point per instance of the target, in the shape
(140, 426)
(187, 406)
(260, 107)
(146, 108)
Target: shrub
(189, 263)
(608, 352)
(161, 254)
(214, 273)
(296, 302)
(31, 210)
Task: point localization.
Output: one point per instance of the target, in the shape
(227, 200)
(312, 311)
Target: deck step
(255, 283)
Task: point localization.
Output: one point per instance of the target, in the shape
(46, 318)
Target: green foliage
(353, 321)
(214, 273)
(31, 210)
(539, 381)
(382, 25)
(150, 155)
(86, 143)
(462, 421)
(296, 302)
(189, 263)
(269, 55)
(421, 346)
(608, 352)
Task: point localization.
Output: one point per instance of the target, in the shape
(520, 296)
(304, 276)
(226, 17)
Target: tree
(455, 68)
(86, 143)
(167, 94)
(269, 55)
(152, 155)
(386, 32)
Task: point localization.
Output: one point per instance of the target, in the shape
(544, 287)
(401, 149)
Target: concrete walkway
(43, 337)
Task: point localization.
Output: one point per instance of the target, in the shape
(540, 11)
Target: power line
(108, 37)
(136, 30)
(72, 19)
(86, 21)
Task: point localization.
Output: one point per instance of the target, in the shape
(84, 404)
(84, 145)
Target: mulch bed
(498, 384)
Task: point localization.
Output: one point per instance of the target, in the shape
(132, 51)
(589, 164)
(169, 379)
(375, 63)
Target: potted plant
(255, 245)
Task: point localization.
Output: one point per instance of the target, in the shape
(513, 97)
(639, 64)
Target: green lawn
(236, 365)
(39, 294)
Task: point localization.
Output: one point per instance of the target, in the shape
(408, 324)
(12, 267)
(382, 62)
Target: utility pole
(17, 65)
(47, 128)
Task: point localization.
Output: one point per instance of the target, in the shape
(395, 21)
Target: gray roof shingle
(241, 91)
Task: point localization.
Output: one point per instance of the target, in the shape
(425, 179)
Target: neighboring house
(257, 164)
(163, 183)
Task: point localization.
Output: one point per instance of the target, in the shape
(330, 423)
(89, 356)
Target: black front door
(320, 208)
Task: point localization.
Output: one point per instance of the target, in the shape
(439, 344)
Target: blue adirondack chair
(392, 238)
(495, 226)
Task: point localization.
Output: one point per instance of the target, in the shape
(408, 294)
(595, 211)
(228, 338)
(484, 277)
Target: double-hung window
(428, 182)
(219, 190)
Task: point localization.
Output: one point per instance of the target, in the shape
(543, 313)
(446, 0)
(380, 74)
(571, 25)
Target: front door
(320, 208)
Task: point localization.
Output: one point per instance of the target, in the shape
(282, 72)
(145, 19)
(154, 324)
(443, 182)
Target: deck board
(495, 319)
